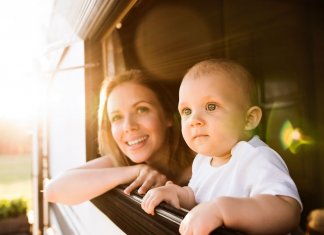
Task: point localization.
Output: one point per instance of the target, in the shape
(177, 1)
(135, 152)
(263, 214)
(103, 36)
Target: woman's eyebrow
(113, 113)
(142, 101)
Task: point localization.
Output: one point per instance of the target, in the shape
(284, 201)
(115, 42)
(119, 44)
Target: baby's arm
(262, 214)
(170, 193)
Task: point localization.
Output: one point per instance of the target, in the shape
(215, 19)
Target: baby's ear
(253, 118)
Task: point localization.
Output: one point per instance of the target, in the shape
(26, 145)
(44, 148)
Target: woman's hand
(146, 179)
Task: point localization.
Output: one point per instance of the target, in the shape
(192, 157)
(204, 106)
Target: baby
(237, 180)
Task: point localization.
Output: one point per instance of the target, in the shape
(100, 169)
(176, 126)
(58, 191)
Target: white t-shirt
(253, 169)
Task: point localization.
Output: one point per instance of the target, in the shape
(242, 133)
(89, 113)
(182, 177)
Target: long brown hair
(180, 156)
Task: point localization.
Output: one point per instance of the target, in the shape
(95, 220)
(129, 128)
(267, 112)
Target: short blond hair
(233, 70)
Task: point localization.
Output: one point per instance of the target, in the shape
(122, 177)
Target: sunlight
(292, 138)
(18, 99)
(22, 29)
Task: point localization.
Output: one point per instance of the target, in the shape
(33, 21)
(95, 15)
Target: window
(278, 41)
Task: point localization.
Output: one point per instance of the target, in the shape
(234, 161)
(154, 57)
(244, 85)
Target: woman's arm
(88, 181)
(96, 177)
(262, 214)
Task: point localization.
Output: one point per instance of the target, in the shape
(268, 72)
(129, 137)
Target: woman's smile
(137, 141)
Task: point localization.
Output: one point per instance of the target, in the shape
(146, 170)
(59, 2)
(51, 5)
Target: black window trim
(126, 212)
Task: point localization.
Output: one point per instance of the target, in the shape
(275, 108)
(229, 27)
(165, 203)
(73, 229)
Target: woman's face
(138, 122)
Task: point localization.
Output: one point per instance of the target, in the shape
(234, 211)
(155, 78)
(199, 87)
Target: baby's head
(218, 104)
(228, 69)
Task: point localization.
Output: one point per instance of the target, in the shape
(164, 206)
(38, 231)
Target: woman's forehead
(134, 88)
(131, 92)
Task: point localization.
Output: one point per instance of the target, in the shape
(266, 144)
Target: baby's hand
(155, 196)
(201, 220)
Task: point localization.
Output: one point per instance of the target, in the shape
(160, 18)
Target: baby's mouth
(137, 141)
(199, 136)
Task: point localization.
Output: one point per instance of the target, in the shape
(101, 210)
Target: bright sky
(22, 27)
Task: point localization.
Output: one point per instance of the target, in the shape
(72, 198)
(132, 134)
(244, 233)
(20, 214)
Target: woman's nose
(130, 124)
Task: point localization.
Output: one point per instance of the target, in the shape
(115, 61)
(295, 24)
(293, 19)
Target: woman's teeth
(133, 142)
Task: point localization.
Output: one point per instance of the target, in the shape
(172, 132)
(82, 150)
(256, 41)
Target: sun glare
(18, 99)
(22, 30)
(292, 138)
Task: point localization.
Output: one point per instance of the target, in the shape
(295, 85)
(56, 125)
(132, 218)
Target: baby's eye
(115, 118)
(185, 112)
(142, 109)
(210, 107)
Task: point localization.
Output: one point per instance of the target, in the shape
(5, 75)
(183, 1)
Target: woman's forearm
(78, 185)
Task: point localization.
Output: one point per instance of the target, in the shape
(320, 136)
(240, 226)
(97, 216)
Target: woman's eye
(142, 109)
(186, 111)
(115, 118)
(211, 106)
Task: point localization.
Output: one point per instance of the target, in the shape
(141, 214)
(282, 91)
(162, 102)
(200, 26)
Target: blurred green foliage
(12, 207)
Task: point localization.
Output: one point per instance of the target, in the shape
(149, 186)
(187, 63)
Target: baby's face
(213, 113)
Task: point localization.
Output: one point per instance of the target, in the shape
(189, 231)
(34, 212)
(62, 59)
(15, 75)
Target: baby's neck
(221, 160)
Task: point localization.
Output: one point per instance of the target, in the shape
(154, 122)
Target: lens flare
(292, 138)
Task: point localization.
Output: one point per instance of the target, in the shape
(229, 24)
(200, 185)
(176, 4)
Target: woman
(139, 139)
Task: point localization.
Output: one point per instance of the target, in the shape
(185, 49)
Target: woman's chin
(138, 158)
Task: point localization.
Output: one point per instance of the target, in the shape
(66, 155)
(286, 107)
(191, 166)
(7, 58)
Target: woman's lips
(137, 141)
